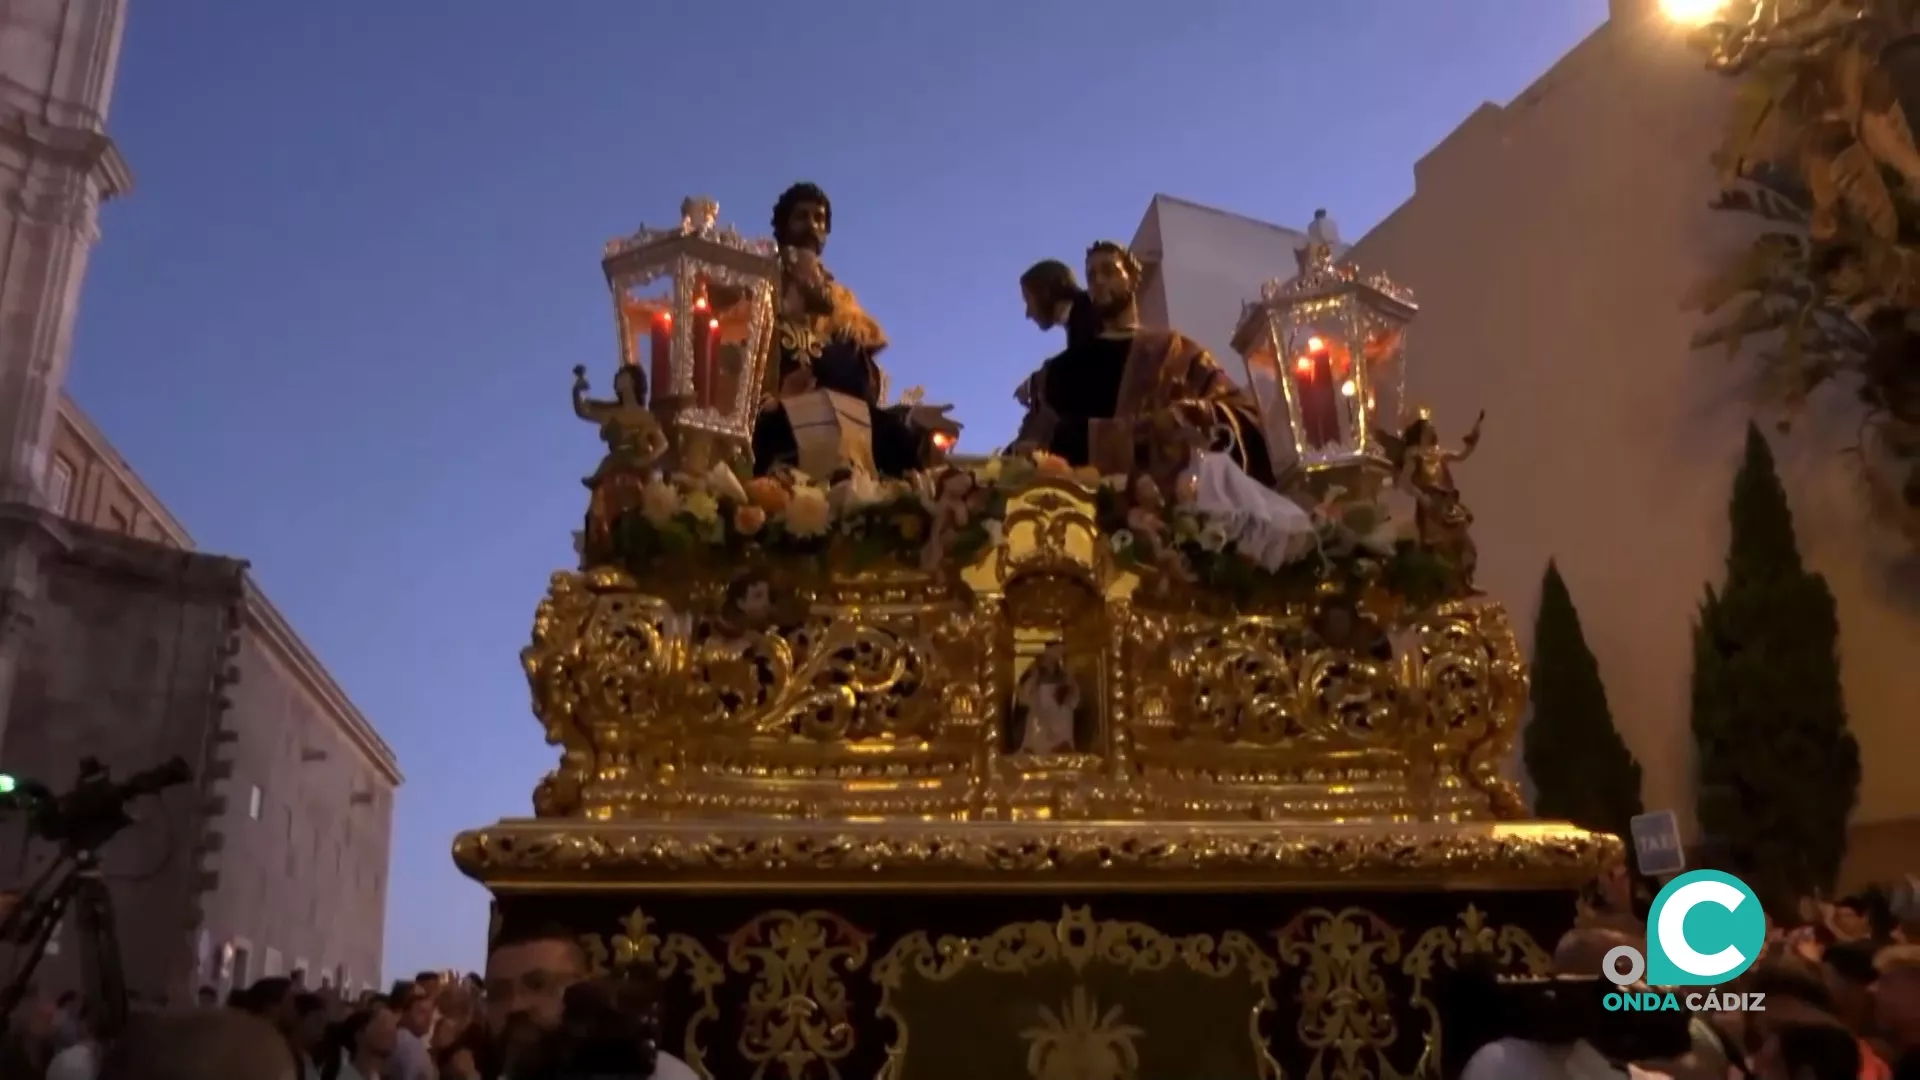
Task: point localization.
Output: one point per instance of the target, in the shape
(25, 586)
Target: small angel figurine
(1049, 695)
(635, 446)
(634, 440)
(951, 506)
(1147, 521)
(1440, 519)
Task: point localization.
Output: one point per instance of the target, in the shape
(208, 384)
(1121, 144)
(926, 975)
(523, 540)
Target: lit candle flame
(1304, 365)
(1691, 12)
(1315, 344)
(1346, 388)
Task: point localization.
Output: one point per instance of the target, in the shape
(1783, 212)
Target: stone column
(57, 63)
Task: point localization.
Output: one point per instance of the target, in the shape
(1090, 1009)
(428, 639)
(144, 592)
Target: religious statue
(1441, 521)
(1124, 398)
(821, 405)
(635, 445)
(1048, 696)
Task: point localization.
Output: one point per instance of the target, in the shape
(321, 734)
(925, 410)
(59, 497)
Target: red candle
(660, 354)
(702, 334)
(1319, 407)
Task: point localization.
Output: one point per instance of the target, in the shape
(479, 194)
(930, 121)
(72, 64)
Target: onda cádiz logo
(1705, 928)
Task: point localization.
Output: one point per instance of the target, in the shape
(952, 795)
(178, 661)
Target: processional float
(999, 768)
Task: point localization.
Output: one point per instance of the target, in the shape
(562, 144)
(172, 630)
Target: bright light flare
(1314, 344)
(1346, 388)
(943, 440)
(1691, 12)
(1304, 365)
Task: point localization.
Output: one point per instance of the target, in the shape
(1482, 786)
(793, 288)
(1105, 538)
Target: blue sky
(334, 324)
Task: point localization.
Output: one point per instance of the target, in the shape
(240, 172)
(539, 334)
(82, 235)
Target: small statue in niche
(1441, 521)
(635, 447)
(1046, 699)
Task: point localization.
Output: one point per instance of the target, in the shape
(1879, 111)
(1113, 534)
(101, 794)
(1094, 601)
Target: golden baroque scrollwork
(1350, 1016)
(797, 1023)
(1080, 1039)
(672, 957)
(887, 693)
(791, 854)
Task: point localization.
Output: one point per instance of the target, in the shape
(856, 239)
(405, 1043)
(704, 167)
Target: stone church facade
(120, 641)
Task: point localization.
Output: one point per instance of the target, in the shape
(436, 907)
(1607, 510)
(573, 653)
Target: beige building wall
(1550, 242)
(306, 814)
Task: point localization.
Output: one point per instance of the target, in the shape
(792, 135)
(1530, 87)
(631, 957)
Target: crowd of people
(1841, 986)
(537, 1015)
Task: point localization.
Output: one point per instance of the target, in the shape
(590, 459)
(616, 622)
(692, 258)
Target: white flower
(856, 491)
(808, 512)
(1214, 537)
(1121, 541)
(659, 502)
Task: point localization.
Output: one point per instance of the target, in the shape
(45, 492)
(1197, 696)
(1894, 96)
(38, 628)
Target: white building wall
(1205, 264)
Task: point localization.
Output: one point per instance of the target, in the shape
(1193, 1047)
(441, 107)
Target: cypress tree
(1581, 769)
(1779, 772)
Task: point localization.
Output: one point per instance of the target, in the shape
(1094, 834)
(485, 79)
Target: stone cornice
(274, 630)
(96, 440)
(81, 149)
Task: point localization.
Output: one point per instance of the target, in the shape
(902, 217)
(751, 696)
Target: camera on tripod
(91, 813)
(95, 809)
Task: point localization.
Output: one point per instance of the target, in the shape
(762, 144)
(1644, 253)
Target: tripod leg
(30, 901)
(101, 971)
(43, 919)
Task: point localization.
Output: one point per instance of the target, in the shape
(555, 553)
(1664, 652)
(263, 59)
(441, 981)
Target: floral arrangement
(858, 522)
(948, 515)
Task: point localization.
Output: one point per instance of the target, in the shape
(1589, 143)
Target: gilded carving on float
(1075, 1040)
(797, 1023)
(673, 957)
(1511, 947)
(1346, 1011)
(573, 856)
(898, 694)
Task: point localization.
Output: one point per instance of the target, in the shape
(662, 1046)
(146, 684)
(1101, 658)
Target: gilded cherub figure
(1442, 522)
(635, 447)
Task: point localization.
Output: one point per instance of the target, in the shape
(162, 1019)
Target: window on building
(60, 485)
(253, 803)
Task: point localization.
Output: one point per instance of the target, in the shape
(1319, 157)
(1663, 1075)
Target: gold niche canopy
(694, 308)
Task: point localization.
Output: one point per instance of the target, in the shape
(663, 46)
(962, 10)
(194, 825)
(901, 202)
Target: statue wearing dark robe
(1137, 399)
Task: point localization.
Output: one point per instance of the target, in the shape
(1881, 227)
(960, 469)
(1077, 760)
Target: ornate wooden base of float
(921, 951)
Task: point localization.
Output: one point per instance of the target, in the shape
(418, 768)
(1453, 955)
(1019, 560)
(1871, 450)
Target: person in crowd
(609, 1029)
(528, 972)
(1850, 975)
(207, 997)
(1799, 994)
(200, 1044)
(1807, 1051)
(28, 1045)
(413, 1007)
(1896, 1006)
(361, 1046)
(430, 984)
(310, 1033)
(1579, 954)
(460, 1060)
(80, 1059)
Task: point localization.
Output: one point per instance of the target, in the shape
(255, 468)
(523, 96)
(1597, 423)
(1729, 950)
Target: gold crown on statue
(1034, 678)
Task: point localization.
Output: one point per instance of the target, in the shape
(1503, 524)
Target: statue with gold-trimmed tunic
(821, 408)
(1128, 399)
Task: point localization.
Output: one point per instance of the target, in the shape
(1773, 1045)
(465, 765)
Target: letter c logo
(1714, 910)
